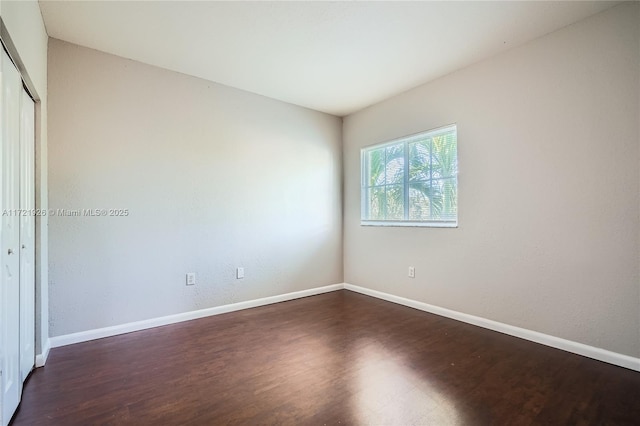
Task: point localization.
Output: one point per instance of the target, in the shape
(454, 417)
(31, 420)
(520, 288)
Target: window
(412, 181)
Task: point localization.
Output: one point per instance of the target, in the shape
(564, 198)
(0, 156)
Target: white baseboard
(84, 336)
(41, 359)
(534, 336)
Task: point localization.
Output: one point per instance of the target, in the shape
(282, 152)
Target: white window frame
(364, 186)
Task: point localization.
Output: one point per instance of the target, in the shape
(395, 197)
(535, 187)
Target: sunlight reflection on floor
(390, 393)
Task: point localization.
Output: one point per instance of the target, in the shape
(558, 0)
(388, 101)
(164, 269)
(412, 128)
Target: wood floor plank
(338, 358)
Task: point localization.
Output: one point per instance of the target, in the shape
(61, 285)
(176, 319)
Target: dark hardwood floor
(337, 358)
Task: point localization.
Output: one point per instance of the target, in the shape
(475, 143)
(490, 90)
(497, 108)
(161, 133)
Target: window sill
(409, 224)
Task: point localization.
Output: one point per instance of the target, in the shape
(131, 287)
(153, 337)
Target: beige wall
(28, 35)
(548, 188)
(213, 177)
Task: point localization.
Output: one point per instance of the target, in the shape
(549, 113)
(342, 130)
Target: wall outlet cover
(191, 278)
(412, 272)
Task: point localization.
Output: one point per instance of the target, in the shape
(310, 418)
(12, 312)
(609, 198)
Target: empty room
(320, 213)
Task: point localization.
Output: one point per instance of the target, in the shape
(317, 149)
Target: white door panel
(27, 236)
(9, 240)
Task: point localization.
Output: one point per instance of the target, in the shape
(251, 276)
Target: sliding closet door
(10, 239)
(27, 236)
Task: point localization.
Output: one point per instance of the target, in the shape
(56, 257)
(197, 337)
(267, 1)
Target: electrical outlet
(240, 273)
(191, 278)
(412, 272)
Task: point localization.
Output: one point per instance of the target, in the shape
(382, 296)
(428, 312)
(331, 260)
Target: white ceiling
(336, 57)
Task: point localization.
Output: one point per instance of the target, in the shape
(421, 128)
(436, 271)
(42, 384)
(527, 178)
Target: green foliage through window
(413, 180)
